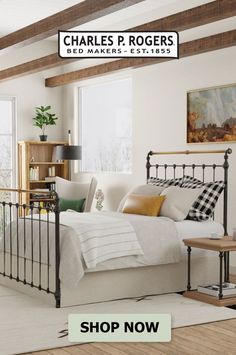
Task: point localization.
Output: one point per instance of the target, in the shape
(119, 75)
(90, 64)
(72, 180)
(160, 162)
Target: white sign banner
(76, 44)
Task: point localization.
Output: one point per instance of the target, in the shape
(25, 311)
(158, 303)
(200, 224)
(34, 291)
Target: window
(7, 144)
(105, 128)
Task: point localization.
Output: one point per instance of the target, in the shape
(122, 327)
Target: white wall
(30, 91)
(159, 116)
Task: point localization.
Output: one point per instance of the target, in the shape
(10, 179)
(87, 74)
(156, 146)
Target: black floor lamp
(68, 152)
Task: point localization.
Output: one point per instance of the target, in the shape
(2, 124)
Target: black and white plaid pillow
(191, 182)
(203, 207)
(165, 183)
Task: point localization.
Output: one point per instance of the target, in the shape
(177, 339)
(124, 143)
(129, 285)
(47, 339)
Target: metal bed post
(25, 215)
(225, 167)
(57, 252)
(225, 212)
(148, 165)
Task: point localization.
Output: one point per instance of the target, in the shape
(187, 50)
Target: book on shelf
(41, 193)
(41, 205)
(228, 289)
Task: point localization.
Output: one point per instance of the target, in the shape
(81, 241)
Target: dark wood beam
(198, 46)
(34, 66)
(71, 17)
(197, 16)
(194, 17)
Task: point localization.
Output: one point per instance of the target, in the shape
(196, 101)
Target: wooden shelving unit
(45, 163)
(32, 154)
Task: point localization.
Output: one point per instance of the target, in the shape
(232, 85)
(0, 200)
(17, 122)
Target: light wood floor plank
(109, 348)
(75, 350)
(192, 340)
(202, 337)
(144, 349)
(227, 325)
(98, 349)
(170, 348)
(45, 352)
(57, 352)
(219, 330)
(178, 343)
(128, 348)
(213, 337)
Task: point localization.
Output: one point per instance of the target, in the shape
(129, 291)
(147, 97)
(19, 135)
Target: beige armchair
(74, 190)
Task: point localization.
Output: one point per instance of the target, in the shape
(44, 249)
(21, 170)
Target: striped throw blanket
(103, 237)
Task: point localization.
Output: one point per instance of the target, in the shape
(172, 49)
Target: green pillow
(76, 205)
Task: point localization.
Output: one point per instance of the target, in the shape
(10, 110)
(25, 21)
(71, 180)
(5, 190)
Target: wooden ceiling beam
(197, 16)
(194, 17)
(71, 17)
(34, 66)
(198, 46)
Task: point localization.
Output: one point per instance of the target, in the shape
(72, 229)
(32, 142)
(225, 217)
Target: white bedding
(157, 237)
(160, 240)
(101, 237)
(185, 229)
(167, 248)
(191, 229)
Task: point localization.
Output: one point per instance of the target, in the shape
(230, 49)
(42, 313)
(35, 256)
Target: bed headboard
(170, 170)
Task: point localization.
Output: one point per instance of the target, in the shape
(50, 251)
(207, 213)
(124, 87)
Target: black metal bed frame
(173, 167)
(24, 214)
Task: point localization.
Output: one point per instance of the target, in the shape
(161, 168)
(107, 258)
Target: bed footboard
(30, 236)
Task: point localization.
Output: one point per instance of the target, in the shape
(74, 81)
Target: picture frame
(211, 115)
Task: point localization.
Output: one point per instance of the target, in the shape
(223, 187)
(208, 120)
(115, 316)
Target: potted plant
(43, 119)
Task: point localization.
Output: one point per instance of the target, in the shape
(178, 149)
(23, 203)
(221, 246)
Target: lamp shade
(68, 152)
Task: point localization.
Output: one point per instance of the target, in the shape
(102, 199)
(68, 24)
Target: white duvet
(157, 237)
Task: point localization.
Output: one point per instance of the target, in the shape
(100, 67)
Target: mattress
(191, 229)
(160, 239)
(186, 229)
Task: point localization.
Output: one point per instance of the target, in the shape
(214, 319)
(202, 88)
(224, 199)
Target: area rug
(27, 324)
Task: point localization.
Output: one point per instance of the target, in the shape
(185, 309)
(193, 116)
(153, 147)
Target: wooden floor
(211, 338)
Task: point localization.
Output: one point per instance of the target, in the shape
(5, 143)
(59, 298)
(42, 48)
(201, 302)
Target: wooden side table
(222, 246)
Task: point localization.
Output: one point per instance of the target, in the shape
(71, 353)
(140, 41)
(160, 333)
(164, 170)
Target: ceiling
(13, 16)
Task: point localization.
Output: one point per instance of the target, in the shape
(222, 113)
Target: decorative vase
(99, 196)
(43, 137)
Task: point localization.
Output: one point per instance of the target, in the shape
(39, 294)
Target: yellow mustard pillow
(143, 204)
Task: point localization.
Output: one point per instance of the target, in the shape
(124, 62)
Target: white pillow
(71, 190)
(148, 190)
(178, 202)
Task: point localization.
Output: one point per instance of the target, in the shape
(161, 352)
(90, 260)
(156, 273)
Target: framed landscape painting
(211, 115)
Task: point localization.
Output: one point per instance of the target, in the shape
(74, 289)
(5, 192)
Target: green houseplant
(43, 119)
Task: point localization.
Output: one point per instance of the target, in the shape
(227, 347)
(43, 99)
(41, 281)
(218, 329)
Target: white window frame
(12, 99)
